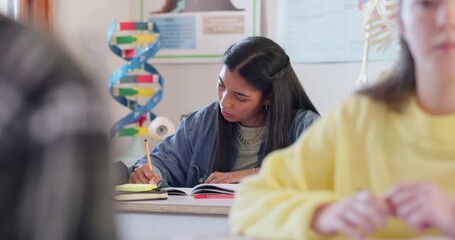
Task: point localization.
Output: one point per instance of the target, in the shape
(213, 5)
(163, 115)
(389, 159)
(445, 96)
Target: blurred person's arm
(280, 201)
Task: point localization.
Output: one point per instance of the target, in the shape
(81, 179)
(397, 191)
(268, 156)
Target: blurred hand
(143, 174)
(423, 205)
(355, 216)
(230, 177)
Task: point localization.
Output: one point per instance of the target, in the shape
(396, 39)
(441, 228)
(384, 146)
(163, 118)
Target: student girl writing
(261, 107)
(382, 163)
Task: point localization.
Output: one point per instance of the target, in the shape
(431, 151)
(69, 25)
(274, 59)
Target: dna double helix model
(136, 85)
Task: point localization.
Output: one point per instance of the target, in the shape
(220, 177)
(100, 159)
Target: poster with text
(199, 31)
(314, 31)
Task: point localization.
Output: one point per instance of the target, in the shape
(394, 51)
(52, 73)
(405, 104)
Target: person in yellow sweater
(382, 164)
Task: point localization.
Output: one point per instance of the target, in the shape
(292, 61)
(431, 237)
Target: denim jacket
(183, 159)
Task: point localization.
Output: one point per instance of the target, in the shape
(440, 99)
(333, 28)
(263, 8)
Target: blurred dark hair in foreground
(53, 148)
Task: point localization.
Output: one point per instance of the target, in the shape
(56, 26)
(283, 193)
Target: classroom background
(82, 27)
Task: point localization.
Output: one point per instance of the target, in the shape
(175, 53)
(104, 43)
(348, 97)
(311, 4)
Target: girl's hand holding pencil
(144, 174)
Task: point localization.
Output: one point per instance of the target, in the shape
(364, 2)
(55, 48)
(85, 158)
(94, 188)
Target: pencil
(147, 154)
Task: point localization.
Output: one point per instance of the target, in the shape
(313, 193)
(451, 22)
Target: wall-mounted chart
(201, 30)
(315, 31)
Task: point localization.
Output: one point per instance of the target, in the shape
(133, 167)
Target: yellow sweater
(360, 145)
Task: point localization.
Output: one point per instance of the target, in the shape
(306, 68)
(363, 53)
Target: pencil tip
(145, 140)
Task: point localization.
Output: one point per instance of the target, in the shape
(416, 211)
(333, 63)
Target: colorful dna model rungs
(137, 80)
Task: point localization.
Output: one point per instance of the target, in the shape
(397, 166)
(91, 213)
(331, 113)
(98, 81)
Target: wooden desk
(182, 217)
(174, 217)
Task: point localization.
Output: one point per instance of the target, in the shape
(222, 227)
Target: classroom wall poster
(314, 31)
(200, 30)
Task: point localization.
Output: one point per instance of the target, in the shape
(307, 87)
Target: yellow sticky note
(135, 187)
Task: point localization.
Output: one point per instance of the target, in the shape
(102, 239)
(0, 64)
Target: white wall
(82, 25)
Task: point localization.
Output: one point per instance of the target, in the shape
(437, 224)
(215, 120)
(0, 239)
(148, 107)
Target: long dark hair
(265, 66)
(398, 85)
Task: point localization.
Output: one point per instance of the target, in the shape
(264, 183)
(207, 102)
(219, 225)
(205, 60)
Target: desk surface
(177, 216)
(177, 204)
(183, 216)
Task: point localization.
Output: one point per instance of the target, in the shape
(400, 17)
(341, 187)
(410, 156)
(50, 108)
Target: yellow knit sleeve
(279, 202)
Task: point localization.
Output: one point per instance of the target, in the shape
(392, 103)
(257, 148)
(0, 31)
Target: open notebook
(204, 188)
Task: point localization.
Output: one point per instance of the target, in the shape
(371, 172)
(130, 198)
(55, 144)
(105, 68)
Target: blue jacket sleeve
(172, 157)
(303, 120)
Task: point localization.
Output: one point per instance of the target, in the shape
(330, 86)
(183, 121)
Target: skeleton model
(380, 29)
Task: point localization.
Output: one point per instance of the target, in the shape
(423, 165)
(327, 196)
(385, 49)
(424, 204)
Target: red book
(212, 196)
